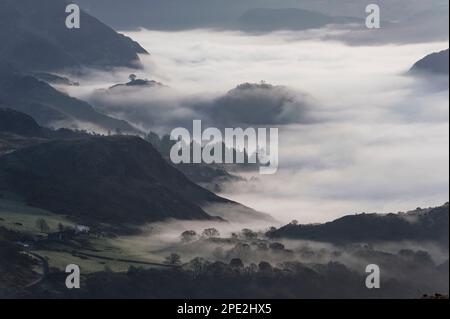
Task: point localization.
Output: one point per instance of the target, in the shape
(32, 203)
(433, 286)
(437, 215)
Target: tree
(188, 236)
(251, 269)
(61, 227)
(236, 263)
(42, 225)
(277, 246)
(198, 265)
(294, 222)
(132, 77)
(173, 260)
(249, 234)
(264, 266)
(210, 233)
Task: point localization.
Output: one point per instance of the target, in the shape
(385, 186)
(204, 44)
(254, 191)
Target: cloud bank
(356, 133)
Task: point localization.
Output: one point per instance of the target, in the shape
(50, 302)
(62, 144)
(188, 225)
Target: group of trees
(44, 227)
(191, 235)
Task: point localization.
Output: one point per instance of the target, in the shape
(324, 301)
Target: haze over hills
(248, 15)
(420, 225)
(173, 14)
(430, 18)
(266, 20)
(34, 37)
(109, 179)
(50, 107)
(333, 146)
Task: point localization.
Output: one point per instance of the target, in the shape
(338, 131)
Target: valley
(91, 119)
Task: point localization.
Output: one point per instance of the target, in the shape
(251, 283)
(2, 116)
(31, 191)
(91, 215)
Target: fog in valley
(357, 132)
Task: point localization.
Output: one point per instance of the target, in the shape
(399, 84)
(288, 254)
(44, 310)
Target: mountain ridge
(34, 37)
(48, 106)
(116, 179)
(431, 224)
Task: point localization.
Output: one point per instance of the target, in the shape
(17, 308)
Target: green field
(18, 216)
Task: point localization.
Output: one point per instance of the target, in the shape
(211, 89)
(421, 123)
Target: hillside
(34, 37)
(50, 107)
(420, 225)
(435, 63)
(18, 123)
(117, 179)
(110, 179)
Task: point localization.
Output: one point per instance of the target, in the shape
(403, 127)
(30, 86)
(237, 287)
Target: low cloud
(356, 132)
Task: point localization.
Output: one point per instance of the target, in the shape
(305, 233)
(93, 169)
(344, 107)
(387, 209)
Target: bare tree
(173, 260)
(42, 225)
(210, 233)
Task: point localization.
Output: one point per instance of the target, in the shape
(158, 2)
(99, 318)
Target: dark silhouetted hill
(421, 225)
(50, 107)
(33, 36)
(116, 179)
(435, 63)
(18, 123)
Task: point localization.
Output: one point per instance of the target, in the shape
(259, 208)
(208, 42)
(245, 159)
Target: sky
(379, 141)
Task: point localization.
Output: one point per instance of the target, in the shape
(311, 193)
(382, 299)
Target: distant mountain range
(266, 20)
(173, 14)
(420, 225)
(248, 15)
(428, 18)
(34, 36)
(117, 179)
(435, 63)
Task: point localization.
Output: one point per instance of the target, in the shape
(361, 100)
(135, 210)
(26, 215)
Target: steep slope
(110, 179)
(50, 107)
(435, 63)
(18, 130)
(431, 224)
(18, 123)
(33, 36)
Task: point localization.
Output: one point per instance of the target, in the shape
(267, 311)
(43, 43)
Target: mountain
(266, 20)
(108, 179)
(435, 63)
(171, 14)
(17, 130)
(117, 179)
(191, 14)
(424, 225)
(18, 123)
(50, 107)
(33, 36)
(261, 104)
